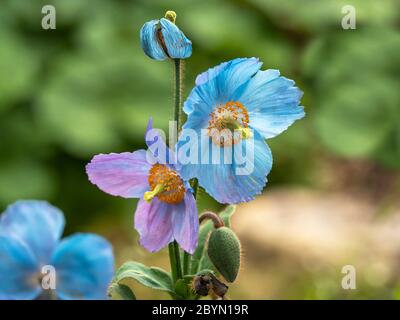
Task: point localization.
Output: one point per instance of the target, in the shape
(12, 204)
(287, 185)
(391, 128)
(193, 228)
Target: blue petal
(84, 265)
(149, 40)
(148, 128)
(18, 270)
(37, 223)
(272, 102)
(211, 73)
(224, 82)
(222, 181)
(153, 222)
(185, 223)
(158, 151)
(178, 46)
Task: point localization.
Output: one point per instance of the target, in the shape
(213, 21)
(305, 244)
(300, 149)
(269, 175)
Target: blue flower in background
(30, 233)
(162, 39)
(250, 103)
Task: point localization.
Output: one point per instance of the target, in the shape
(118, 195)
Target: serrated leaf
(151, 277)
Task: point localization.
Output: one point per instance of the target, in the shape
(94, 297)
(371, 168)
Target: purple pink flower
(167, 209)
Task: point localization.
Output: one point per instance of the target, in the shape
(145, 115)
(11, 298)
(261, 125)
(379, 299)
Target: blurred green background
(87, 88)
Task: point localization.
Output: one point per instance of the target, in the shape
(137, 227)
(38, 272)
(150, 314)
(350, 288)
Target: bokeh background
(333, 194)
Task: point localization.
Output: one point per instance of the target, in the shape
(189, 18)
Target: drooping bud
(162, 39)
(224, 252)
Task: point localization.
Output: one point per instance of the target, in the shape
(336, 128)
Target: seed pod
(224, 252)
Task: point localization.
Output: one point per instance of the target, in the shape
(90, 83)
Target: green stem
(186, 262)
(174, 251)
(172, 261)
(179, 116)
(179, 274)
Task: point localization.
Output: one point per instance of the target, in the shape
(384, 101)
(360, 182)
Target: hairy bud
(224, 252)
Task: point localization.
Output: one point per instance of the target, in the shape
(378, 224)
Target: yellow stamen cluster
(166, 184)
(228, 124)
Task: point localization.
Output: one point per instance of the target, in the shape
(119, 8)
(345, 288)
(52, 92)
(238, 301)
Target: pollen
(227, 123)
(173, 189)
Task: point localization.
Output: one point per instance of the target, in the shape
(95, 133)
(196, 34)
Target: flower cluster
(231, 111)
(234, 97)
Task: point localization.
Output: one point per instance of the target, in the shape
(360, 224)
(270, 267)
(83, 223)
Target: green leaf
(120, 292)
(182, 288)
(151, 277)
(226, 214)
(200, 258)
(205, 263)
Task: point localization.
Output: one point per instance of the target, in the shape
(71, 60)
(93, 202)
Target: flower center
(165, 184)
(228, 124)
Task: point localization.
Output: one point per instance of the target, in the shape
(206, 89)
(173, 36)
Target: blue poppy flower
(162, 39)
(30, 233)
(236, 97)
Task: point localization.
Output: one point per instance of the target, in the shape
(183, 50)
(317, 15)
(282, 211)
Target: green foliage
(123, 284)
(319, 16)
(151, 277)
(120, 292)
(183, 288)
(357, 92)
(17, 79)
(31, 179)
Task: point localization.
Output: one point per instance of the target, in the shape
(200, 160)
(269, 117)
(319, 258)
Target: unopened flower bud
(224, 252)
(162, 39)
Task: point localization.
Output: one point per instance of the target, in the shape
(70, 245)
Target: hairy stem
(216, 219)
(174, 251)
(179, 116)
